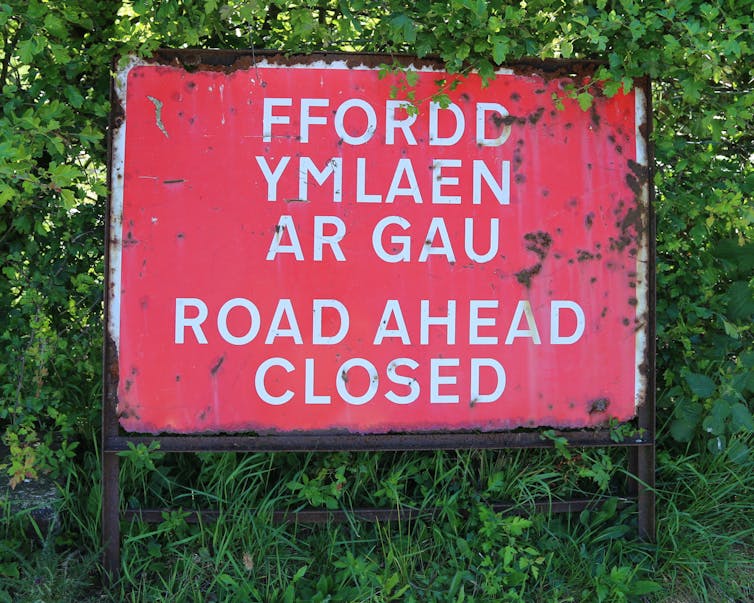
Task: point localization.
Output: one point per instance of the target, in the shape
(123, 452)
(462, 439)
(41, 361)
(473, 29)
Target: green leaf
(611, 88)
(713, 425)
(74, 97)
(300, 573)
(63, 174)
(701, 385)
(731, 330)
(6, 193)
(688, 415)
(9, 570)
(716, 445)
(69, 198)
(500, 51)
(585, 100)
(741, 419)
(644, 587)
(740, 301)
(55, 25)
(741, 257)
(738, 452)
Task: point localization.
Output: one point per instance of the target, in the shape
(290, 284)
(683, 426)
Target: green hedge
(55, 63)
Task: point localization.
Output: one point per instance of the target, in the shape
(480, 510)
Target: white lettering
(523, 309)
(437, 227)
(284, 309)
(476, 321)
(309, 396)
(334, 167)
(481, 124)
(339, 307)
(222, 321)
(476, 365)
(404, 125)
(502, 191)
(439, 180)
(268, 118)
(398, 379)
(309, 120)
(371, 121)
(436, 380)
(449, 321)
(259, 385)
(361, 195)
(404, 167)
(469, 240)
(272, 177)
(434, 137)
(401, 254)
(181, 321)
(285, 225)
(333, 240)
(342, 379)
(555, 307)
(392, 310)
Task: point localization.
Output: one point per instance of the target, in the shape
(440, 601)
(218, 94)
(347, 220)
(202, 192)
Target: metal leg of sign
(641, 483)
(645, 473)
(111, 513)
(646, 492)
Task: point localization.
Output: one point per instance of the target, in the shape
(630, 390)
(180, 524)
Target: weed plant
(454, 547)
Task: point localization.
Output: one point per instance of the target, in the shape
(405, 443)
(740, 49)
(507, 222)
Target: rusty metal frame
(641, 449)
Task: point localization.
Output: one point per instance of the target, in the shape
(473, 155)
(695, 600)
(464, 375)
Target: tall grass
(456, 549)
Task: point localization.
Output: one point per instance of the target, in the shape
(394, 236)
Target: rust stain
(216, 367)
(595, 117)
(539, 242)
(536, 116)
(598, 405)
(524, 276)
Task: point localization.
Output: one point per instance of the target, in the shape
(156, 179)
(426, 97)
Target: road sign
(328, 246)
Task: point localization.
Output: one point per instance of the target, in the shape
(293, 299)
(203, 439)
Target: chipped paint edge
(117, 178)
(265, 63)
(343, 64)
(642, 257)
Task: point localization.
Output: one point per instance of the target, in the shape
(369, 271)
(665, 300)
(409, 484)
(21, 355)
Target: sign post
(315, 253)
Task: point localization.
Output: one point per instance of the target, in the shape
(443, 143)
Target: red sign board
(295, 247)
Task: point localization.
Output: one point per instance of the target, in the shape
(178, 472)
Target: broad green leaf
(713, 425)
(740, 301)
(717, 445)
(63, 175)
(585, 100)
(69, 198)
(741, 419)
(500, 51)
(644, 587)
(688, 415)
(701, 385)
(738, 451)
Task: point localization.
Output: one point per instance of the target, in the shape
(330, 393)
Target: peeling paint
(158, 115)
